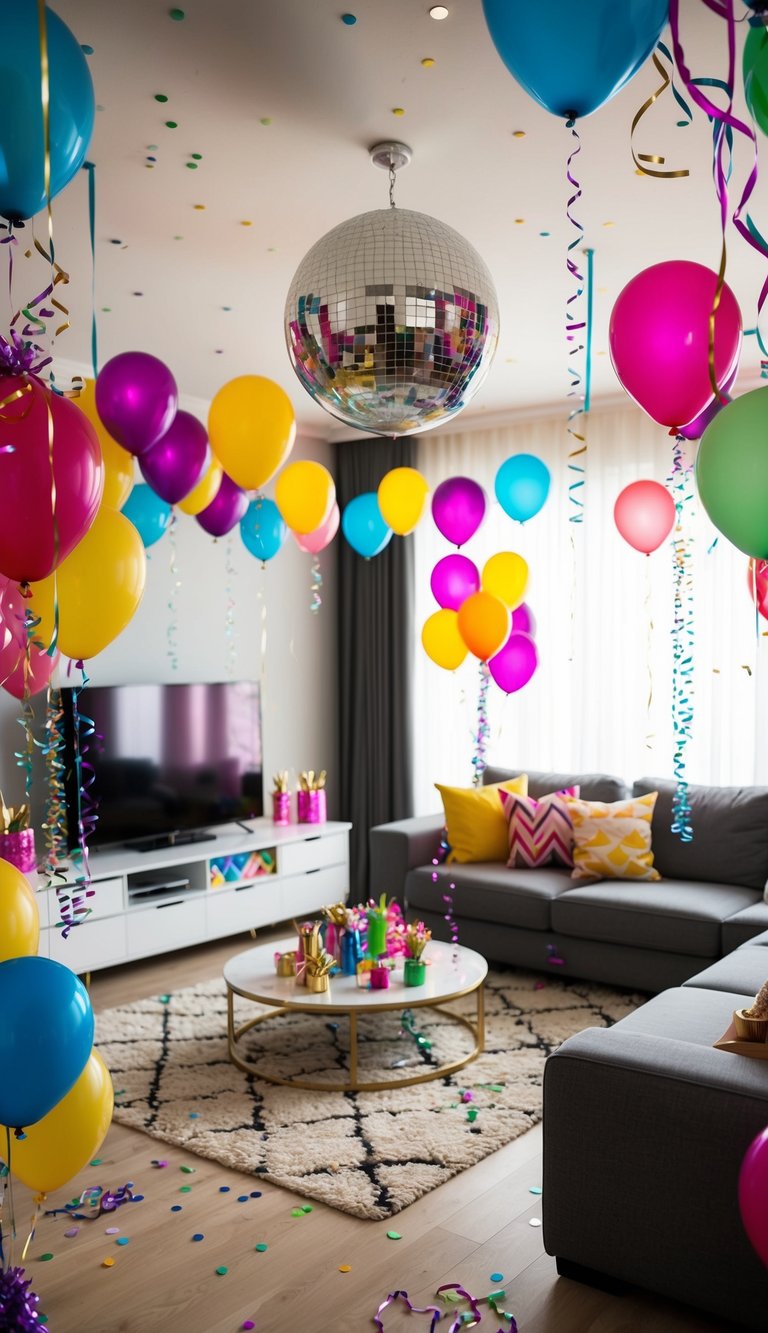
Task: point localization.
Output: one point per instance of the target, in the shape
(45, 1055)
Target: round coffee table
(452, 973)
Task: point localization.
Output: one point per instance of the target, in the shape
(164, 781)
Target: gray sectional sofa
(645, 1123)
(643, 935)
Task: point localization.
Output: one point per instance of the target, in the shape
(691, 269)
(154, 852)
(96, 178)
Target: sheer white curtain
(602, 696)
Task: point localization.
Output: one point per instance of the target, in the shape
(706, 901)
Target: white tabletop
(451, 971)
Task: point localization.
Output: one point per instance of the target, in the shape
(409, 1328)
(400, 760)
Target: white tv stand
(148, 903)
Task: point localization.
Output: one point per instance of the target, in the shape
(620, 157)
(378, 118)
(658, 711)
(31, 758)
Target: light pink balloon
(644, 513)
(41, 668)
(315, 542)
(659, 339)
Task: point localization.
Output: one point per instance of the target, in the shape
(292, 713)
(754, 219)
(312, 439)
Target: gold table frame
(276, 1007)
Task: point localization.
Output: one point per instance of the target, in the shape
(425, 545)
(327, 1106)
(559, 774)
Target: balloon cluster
(484, 613)
(56, 1094)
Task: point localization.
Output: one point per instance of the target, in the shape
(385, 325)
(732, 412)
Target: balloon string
(39, 1199)
(90, 167)
(24, 758)
(230, 633)
(316, 600)
(649, 733)
(640, 159)
(172, 631)
(682, 640)
(479, 762)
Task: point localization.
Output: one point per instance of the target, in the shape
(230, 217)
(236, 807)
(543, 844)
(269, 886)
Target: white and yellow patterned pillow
(613, 841)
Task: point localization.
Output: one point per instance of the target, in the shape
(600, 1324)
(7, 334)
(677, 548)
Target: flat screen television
(170, 761)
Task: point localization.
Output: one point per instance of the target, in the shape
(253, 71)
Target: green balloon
(755, 74)
(732, 472)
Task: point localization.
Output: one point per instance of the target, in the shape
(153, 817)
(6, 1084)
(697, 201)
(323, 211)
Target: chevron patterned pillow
(540, 832)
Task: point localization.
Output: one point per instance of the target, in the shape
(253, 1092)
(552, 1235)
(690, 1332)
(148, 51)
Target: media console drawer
(228, 911)
(169, 925)
(93, 944)
(310, 892)
(312, 853)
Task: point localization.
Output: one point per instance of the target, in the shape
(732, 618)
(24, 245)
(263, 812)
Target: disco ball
(392, 322)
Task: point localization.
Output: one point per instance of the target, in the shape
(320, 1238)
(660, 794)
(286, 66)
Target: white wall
(271, 608)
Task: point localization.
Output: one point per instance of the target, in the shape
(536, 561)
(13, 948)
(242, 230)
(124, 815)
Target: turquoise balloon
(570, 58)
(148, 513)
(522, 486)
(363, 525)
(732, 472)
(46, 1036)
(71, 108)
(263, 529)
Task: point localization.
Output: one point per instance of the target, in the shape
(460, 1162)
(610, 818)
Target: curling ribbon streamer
(52, 746)
(727, 120)
(229, 618)
(682, 642)
(479, 762)
(395, 1296)
(450, 919)
(573, 330)
(316, 600)
(172, 631)
(83, 728)
(649, 734)
(408, 1024)
(640, 159)
(90, 167)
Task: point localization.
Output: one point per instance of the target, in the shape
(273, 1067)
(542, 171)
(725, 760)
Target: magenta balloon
(453, 580)
(13, 634)
(174, 465)
(695, 429)
(225, 510)
(136, 399)
(514, 663)
(644, 513)
(31, 543)
(659, 339)
(41, 668)
(458, 508)
(753, 1194)
(523, 619)
(315, 542)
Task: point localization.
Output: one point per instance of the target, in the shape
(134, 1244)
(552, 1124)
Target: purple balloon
(174, 465)
(515, 663)
(136, 398)
(523, 619)
(225, 510)
(453, 580)
(695, 429)
(458, 508)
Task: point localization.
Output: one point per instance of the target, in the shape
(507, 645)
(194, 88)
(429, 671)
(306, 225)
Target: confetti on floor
(107, 1263)
(261, 1247)
(535, 1189)
(72, 1232)
(122, 1240)
(394, 1235)
(497, 1277)
(44, 1257)
(222, 1271)
(345, 1268)
(198, 1236)
(534, 1221)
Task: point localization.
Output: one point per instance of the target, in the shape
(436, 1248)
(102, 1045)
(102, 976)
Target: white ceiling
(329, 90)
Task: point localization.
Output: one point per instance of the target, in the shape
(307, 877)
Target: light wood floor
(475, 1225)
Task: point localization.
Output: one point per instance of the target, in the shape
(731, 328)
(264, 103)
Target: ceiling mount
(390, 155)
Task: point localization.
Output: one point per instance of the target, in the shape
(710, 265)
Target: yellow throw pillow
(475, 820)
(613, 841)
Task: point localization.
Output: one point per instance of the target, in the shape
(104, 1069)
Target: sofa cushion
(676, 916)
(612, 840)
(730, 834)
(684, 1014)
(743, 971)
(489, 892)
(476, 827)
(540, 832)
(743, 926)
(594, 786)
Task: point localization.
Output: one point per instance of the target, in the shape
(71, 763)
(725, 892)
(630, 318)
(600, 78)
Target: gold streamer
(655, 158)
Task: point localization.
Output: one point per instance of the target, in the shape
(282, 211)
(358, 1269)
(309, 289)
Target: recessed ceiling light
(438, 12)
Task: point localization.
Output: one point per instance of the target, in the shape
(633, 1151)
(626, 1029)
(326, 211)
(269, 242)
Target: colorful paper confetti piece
(190, 1170)
(122, 1240)
(398, 111)
(222, 1271)
(194, 1115)
(97, 1161)
(198, 1236)
(265, 120)
(428, 62)
(261, 1247)
(185, 1189)
(224, 1189)
(307, 1208)
(349, 19)
(534, 1221)
(86, 49)
(111, 1231)
(199, 208)
(497, 1277)
(44, 1257)
(345, 1268)
(176, 1208)
(177, 15)
(394, 1235)
(247, 1323)
(192, 166)
(535, 1189)
(161, 97)
(472, 1115)
(107, 1263)
(246, 223)
(72, 1232)
(196, 157)
(518, 134)
(255, 1194)
(159, 1162)
(297, 1212)
(242, 1198)
(169, 125)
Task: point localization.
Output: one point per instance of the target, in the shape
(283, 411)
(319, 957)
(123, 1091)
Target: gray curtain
(376, 629)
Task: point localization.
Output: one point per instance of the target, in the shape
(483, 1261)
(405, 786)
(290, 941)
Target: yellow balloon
(118, 463)
(402, 496)
(61, 1144)
(251, 426)
(505, 576)
(304, 494)
(205, 490)
(100, 585)
(483, 624)
(19, 917)
(441, 640)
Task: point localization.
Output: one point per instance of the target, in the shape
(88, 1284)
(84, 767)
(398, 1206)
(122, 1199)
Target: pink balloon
(453, 580)
(41, 668)
(757, 582)
(659, 339)
(644, 513)
(523, 619)
(753, 1194)
(31, 543)
(174, 465)
(458, 508)
(695, 429)
(315, 542)
(515, 663)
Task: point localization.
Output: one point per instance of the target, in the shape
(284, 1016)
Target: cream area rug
(367, 1153)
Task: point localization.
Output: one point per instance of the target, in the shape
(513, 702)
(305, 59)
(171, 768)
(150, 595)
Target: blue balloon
(263, 529)
(573, 59)
(46, 1036)
(71, 108)
(148, 513)
(522, 486)
(363, 525)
